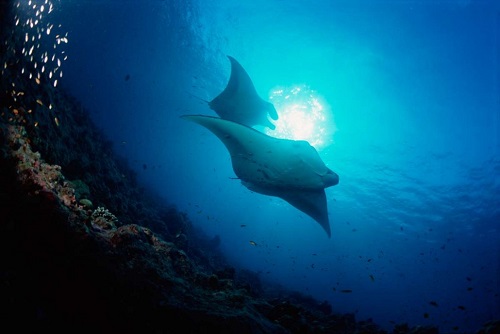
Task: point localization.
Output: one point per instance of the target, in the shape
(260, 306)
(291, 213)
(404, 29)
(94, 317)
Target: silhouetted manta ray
(289, 169)
(239, 101)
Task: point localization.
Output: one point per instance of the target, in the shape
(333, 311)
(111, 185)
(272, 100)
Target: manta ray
(288, 169)
(239, 101)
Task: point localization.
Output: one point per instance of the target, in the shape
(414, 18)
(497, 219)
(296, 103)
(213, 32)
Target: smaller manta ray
(289, 169)
(239, 101)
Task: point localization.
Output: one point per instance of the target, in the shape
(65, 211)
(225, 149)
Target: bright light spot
(303, 115)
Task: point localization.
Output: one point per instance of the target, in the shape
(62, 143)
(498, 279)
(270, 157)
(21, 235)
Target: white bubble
(31, 50)
(50, 75)
(55, 83)
(58, 62)
(42, 8)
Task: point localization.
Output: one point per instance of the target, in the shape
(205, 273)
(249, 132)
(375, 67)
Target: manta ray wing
(289, 169)
(239, 101)
(311, 202)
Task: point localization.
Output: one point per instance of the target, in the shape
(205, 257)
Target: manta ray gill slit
(303, 115)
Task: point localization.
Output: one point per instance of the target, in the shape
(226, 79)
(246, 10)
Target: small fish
(243, 225)
(372, 278)
(468, 278)
(460, 307)
(433, 303)
(346, 291)
(426, 315)
(127, 77)
(470, 289)
(253, 243)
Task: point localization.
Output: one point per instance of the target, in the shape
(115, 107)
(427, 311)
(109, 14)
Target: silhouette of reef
(84, 248)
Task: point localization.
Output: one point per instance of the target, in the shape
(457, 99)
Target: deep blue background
(411, 91)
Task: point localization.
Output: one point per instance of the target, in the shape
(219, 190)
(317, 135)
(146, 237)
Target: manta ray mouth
(331, 178)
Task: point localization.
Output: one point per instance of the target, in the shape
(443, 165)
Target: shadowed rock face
(67, 266)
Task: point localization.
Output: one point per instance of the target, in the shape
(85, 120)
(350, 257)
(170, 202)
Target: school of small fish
(38, 40)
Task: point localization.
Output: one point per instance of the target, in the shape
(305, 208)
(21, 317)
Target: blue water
(411, 94)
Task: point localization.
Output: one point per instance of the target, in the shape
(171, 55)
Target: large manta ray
(239, 101)
(289, 169)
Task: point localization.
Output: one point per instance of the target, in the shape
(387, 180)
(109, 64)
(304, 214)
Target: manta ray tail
(197, 97)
